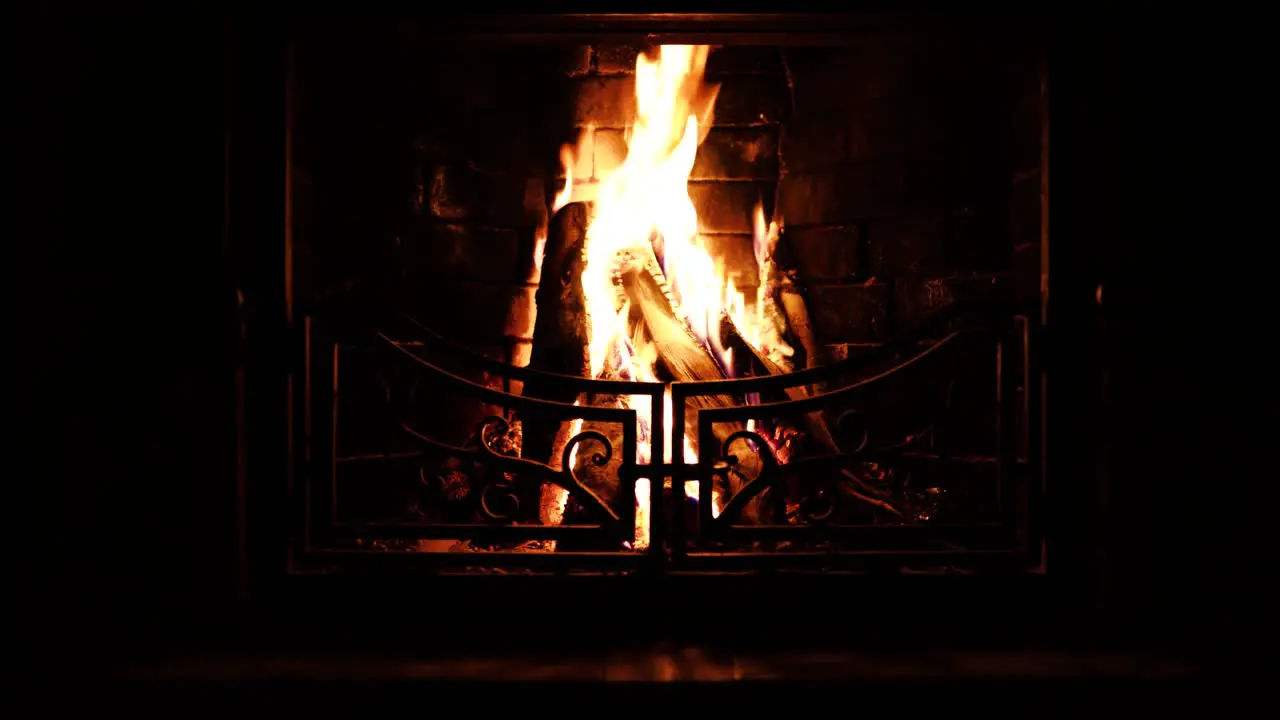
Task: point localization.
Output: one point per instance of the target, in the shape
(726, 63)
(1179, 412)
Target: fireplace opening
(614, 301)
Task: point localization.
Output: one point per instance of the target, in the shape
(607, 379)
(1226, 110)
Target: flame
(644, 202)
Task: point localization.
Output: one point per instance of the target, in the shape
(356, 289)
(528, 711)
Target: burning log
(560, 331)
(685, 358)
(603, 478)
(814, 423)
(681, 353)
(797, 314)
(560, 341)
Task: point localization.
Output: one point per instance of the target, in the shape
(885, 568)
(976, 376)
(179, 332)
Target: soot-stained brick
(737, 154)
(727, 207)
(916, 299)
(744, 59)
(474, 313)
(604, 101)
(824, 253)
(458, 192)
(813, 143)
(613, 58)
(462, 251)
(751, 100)
(842, 195)
(848, 313)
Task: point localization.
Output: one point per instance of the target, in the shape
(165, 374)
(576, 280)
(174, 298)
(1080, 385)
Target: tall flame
(647, 195)
(645, 202)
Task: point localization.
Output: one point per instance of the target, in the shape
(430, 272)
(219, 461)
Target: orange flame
(644, 202)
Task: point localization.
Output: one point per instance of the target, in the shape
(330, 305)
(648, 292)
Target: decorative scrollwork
(598, 459)
(756, 485)
(499, 502)
(817, 508)
(496, 436)
(521, 469)
(491, 472)
(849, 424)
(751, 439)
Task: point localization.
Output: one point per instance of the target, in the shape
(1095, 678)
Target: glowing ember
(645, 203)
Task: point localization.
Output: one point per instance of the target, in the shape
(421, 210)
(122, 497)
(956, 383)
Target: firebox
(663, 294)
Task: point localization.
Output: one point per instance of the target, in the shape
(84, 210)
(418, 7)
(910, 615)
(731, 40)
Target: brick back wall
(894, 182)
(420, 176)
(486, 144)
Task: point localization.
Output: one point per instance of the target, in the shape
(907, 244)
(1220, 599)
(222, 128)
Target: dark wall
(125, 475)
(895, 177)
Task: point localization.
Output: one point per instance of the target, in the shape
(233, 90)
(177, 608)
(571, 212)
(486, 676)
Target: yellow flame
(645, 202)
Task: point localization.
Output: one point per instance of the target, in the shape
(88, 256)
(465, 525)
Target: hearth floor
(684, 664)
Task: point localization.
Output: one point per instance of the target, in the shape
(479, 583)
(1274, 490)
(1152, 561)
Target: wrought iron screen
(800, 510)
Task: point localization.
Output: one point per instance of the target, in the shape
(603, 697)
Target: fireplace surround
(386, 347)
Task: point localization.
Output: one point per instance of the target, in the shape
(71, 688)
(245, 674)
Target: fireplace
(655, 295)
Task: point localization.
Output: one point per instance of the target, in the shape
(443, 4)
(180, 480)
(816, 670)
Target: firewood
(815, 424)
(686, 360)
(560, 340)
(797, 314)
(560, 331)
(681, 353)
(601, 479)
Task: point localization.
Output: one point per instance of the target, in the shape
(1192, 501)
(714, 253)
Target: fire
(645, 203)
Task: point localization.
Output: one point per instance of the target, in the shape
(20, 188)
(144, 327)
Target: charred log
(561, 331)
(560, 341)
(797, 314)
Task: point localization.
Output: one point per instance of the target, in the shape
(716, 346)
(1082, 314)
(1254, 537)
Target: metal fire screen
(810, 494)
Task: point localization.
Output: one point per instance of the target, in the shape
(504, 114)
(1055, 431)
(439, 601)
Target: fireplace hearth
(640, 295)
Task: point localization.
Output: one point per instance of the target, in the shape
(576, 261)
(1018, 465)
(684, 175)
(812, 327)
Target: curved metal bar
(926, 330)
(814, 403)
(841, 425)
(520, 402)
(755, 485)
(497, 367)
(523, 467)
(839, 460)
(597, 459)
(907, 341)
(862, 453)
